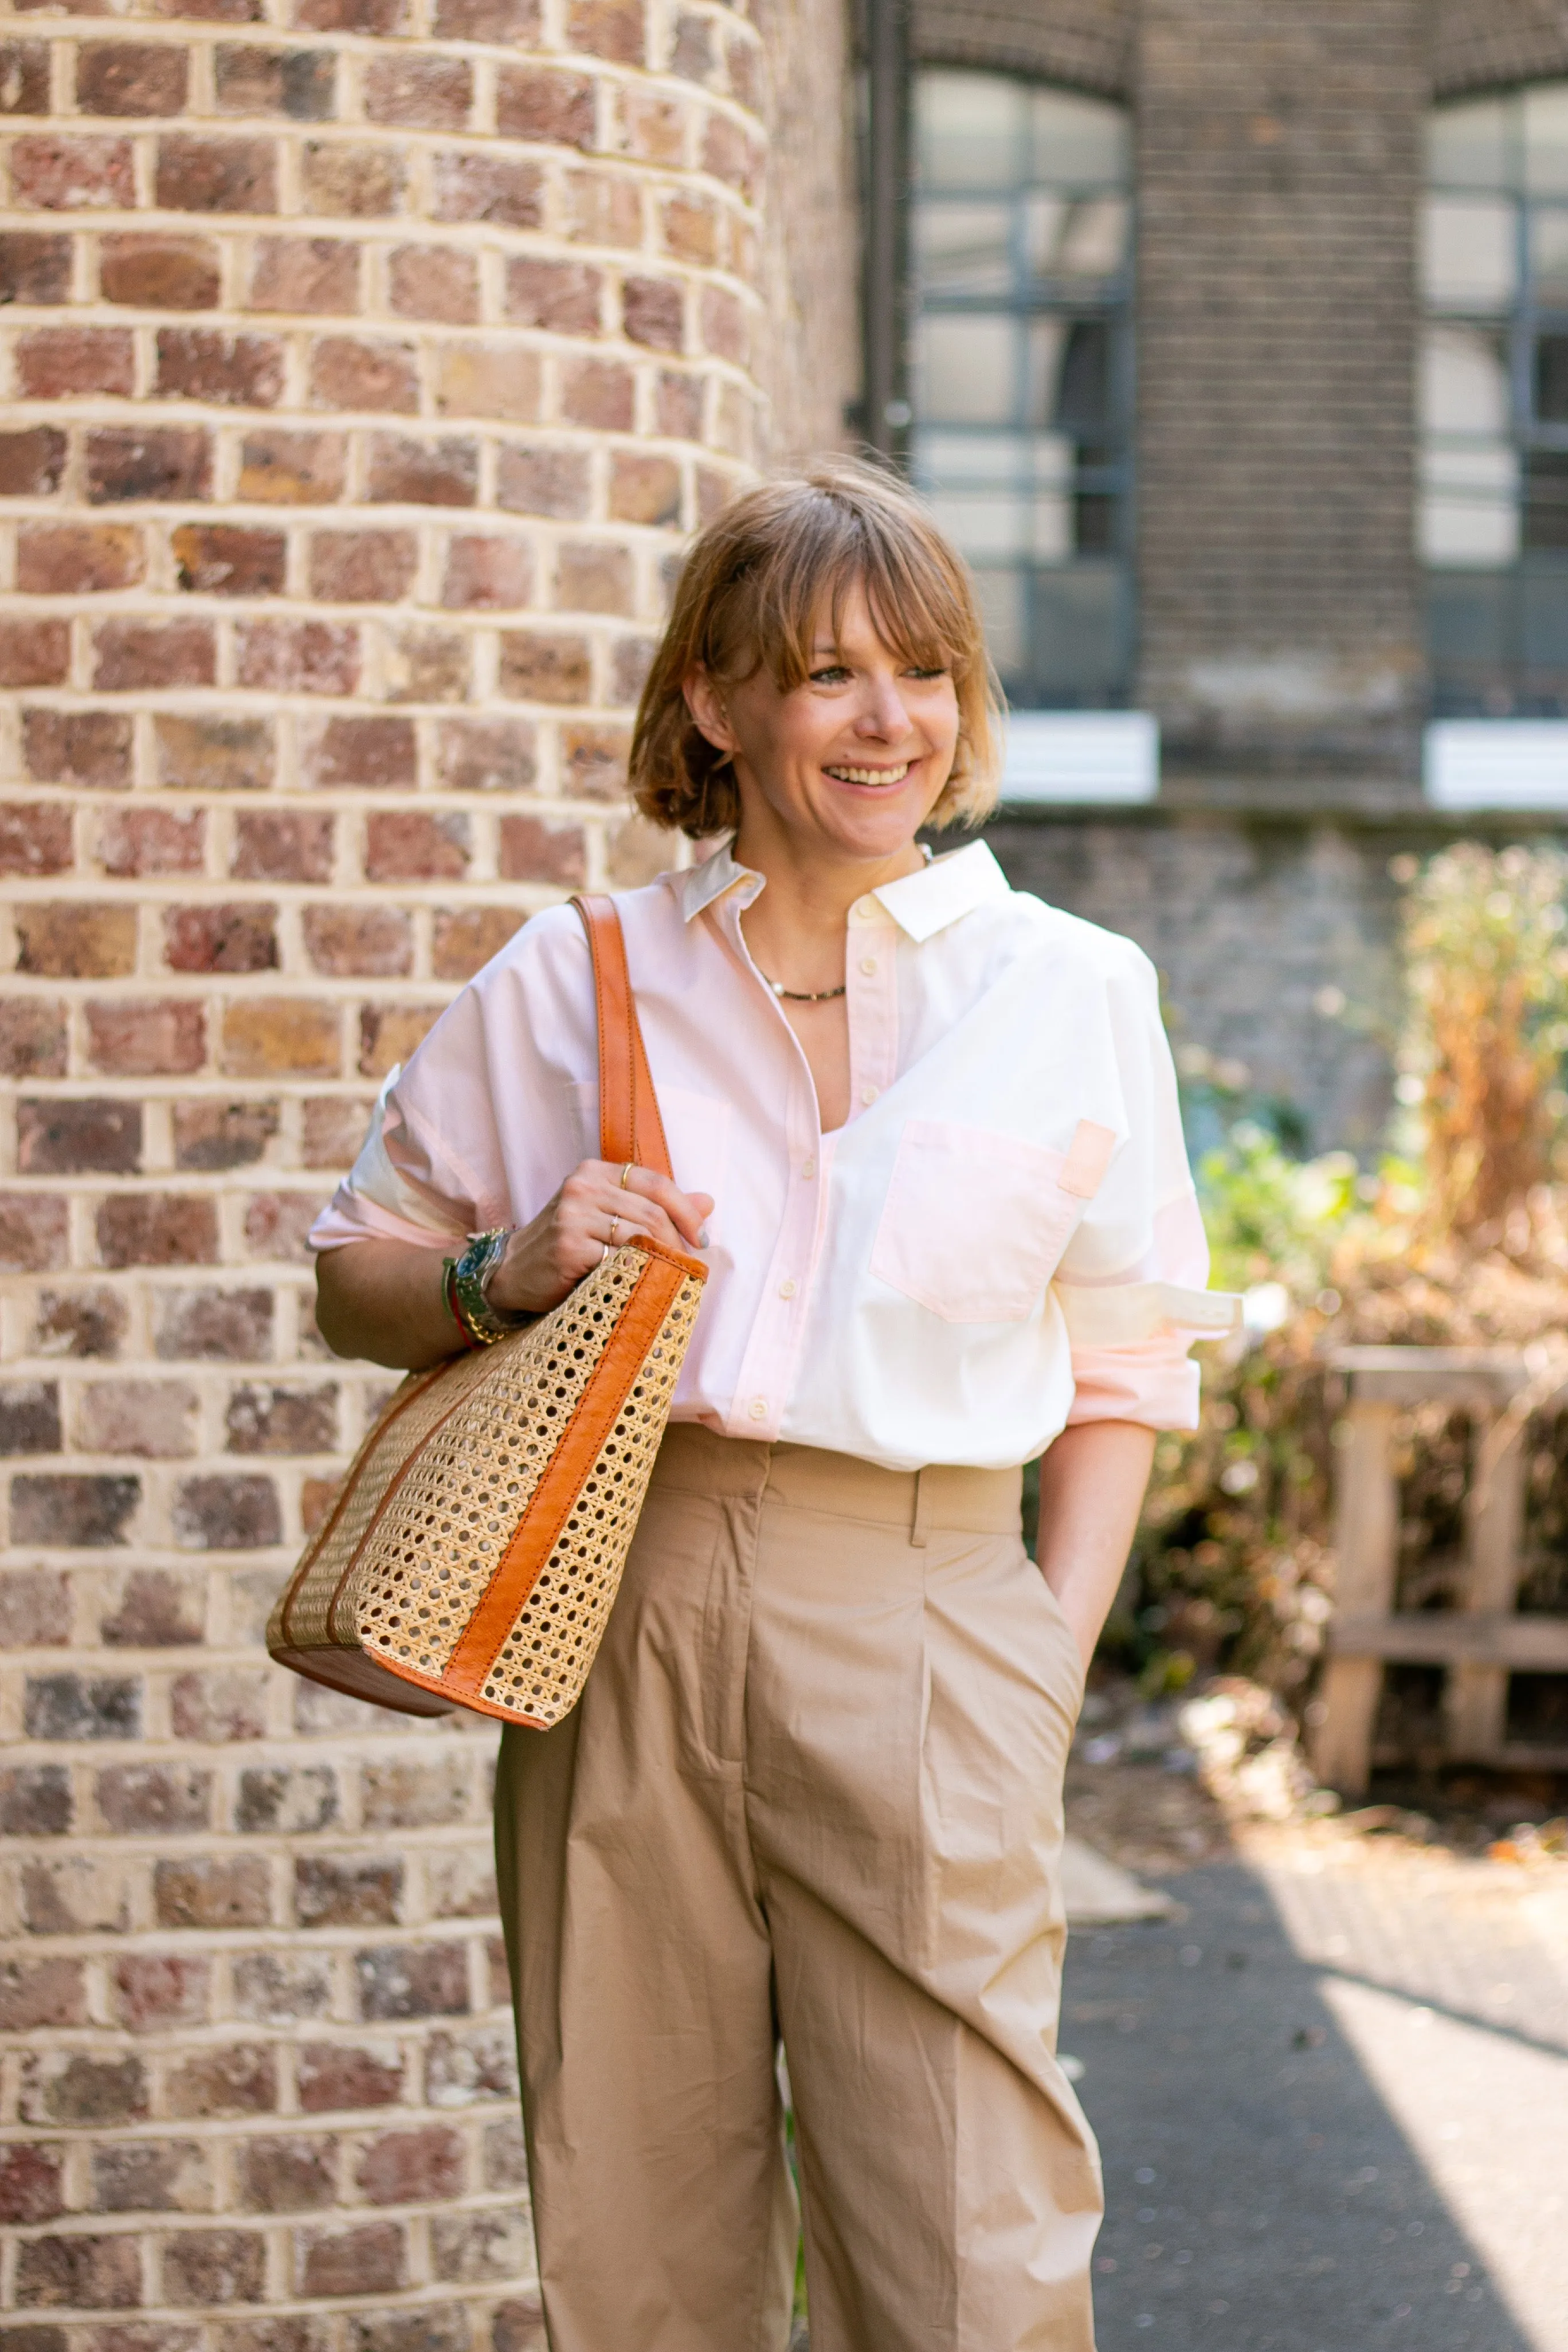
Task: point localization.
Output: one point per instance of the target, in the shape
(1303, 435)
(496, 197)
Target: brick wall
(1087, 44)
(364, 361)
(1487, 44)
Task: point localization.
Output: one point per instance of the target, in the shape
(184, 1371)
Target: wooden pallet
(1482, 1642)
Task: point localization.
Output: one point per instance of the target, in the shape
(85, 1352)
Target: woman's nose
(884, 714)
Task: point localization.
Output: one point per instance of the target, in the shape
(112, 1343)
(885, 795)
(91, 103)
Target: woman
(925, 1130)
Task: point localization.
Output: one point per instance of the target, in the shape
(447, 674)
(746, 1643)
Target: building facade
(365, 364)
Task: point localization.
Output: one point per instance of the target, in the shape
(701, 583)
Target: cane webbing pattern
(436, 1494)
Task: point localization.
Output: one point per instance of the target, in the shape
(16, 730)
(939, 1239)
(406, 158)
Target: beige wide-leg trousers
(813, 1791)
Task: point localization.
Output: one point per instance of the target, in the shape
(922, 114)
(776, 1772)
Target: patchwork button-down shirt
(1002, 1238)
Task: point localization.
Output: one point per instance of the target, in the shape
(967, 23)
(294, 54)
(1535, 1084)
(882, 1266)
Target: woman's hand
(567, 1240)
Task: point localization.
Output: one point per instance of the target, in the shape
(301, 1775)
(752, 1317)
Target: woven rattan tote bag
(473, 1549)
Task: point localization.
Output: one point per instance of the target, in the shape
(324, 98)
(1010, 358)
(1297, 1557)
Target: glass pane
(966, 369)
(985, 526)
(969, 130)
(1069, 386)
(1546, 139)
(1078, 653)
(1468, 621)
(1543, 626)
(1080, 140)
(1551, 380)
(1068, 238)
(1465, 380)
(1546, 501)
(1471, 257)
(962, 248)
(1549, 257)
(1005, 611)
(1468, 146)
(1470, 506)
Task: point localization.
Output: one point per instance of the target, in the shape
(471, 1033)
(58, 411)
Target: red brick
(153, 272)
(76, 1514)
(688, 227)
(725, 331)
(29, 1417)
(31, 462)
(478, 2062)
(489, 20)
(503, 381)
(154, 1800)
(154, 1990)
(80, 2086)
(348, 942)
(137, 841)
(211, 1891)
(644, 488)
(277, 1223)
(222, 755)
(158, 1229)
(294, 2175)
(429, 665)
(221, 559)
(76, 1135)
(535, 102)
(730, 155)
(166, 461)
(594, 576)
(362, 16)
(78, 747)
(348, 1890)
(58, 174)
(34, 269)
(150, 2176)
(234, 1326)
(217, 1135)
(363, 567)
(694, 56)
(353, 182)
(405, 472)
(198, 174)
(241, 2080)
(208, 2268)
(597, 392)
(411, 846)
(348, 374)
(537, 667)
(564, 297)
(485, 755)
(278, 1420)
(282, 846)
(653, 311)
(24, 77)
(284, 1036)
(147, 1037)
(466, 938)
(488, 574)
(314, 274)
(218, 1708)
(604, 208)
(298, 84)
(594, 759)
(241, 937)
(336, 2077)
(76, 559)
(235, 371)
(35, 1801)
(42, 1993)
(155, 1419)
(35, 1602)
(424, 93)
(130, 656)
(532, 849)
(34, 652)
(631, 658)
(293, 1802)
(677, 407)
(304, 469)
(654, 127)
(333, 1130)
(131, 78)
(367, 2260)
(411, 2167)
(433, 281)
(75, 940)
(607, 29)
(506, 190)
(32, 1038)
(31, 2183)
(376, 754)
(389, 1033)
(35, 837)
(299, 656)
(83, 2273)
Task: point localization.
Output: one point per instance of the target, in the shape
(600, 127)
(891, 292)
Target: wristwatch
(467, 1285)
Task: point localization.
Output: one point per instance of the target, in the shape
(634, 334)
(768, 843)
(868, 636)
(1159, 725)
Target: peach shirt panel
(1001, 1240)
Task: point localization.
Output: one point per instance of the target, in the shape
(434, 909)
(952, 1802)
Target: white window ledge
(1497, 763)
(1080, 756)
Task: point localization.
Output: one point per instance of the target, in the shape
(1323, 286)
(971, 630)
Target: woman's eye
(940, 671)
(833, 675)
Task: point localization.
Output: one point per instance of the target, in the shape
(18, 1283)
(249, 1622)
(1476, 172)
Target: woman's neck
(796, 929)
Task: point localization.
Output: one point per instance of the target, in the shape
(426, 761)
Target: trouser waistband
(694, 1461)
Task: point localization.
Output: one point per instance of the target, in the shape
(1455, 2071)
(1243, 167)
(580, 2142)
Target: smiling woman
(924, 1130)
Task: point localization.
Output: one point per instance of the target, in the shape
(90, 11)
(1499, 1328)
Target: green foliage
(1270, 1218)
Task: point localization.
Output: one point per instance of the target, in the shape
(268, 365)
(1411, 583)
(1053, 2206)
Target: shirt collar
(920, 904)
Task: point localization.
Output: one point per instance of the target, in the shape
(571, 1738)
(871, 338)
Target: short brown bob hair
(752, 591)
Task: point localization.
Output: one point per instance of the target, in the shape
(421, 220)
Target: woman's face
(850, 762)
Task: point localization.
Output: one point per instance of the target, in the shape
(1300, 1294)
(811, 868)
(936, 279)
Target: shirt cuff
(1153, 1383)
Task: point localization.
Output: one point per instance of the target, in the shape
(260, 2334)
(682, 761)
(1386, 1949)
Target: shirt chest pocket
(974, 1223)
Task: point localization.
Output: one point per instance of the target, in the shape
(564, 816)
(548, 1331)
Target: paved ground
(1332, 2100)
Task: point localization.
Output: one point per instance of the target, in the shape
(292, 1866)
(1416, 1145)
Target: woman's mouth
(891, 775)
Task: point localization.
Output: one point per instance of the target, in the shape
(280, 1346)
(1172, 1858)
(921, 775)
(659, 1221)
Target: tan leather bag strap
(630, 1127)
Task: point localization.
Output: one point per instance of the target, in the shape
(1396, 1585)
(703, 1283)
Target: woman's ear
(706, 706)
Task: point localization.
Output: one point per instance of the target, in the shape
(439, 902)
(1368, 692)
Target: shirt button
(870, 1094)
(786, 1287)
(759, 1408)
(809, 1169)
(866, 908)
(868, 965)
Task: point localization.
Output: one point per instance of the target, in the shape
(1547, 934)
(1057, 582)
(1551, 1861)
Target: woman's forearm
(1091, 1492)
(383, 1302)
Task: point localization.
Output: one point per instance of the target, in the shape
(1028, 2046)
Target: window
(1494, 405)
(1022, 254)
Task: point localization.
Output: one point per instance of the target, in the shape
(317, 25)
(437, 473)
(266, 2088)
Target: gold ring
(604, 1252)
(626, 1172)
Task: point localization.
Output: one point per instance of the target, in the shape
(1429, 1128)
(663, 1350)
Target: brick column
(1279, 159)
(364, 363)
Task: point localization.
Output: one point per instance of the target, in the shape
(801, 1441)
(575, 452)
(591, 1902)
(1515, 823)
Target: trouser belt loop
(921, 1521)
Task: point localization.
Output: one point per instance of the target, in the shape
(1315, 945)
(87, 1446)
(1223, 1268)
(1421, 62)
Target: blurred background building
(365, 365)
